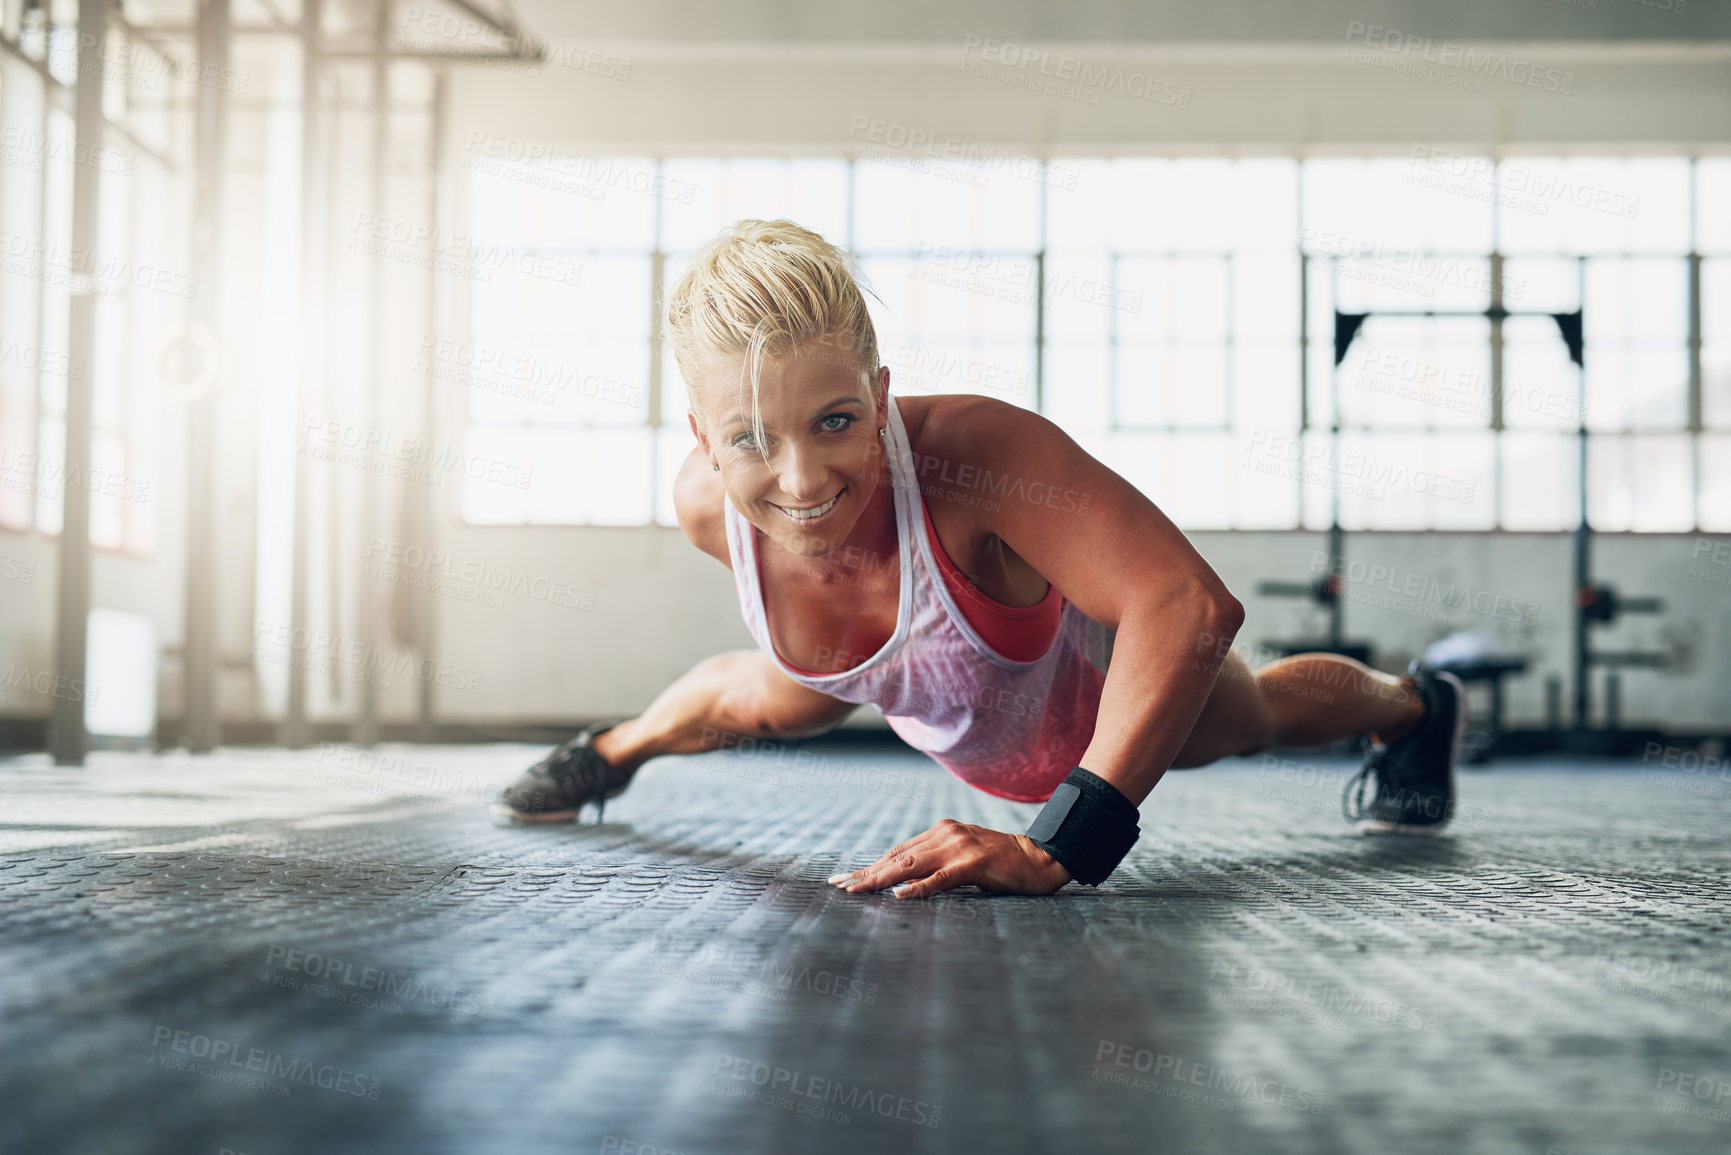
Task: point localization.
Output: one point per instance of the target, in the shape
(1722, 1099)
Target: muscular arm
(1124, 564)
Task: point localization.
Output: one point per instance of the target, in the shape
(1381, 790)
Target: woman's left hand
(953, 854)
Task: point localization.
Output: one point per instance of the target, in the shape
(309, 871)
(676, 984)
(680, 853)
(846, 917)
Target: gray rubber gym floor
(341, 951)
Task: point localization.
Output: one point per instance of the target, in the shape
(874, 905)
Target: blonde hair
(763, 288)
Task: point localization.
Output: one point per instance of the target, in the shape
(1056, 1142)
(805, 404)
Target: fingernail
(900, 889)
(835, 878)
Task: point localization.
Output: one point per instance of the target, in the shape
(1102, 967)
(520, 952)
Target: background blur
(354, 353)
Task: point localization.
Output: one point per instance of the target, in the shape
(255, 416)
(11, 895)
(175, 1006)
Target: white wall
(660, 606)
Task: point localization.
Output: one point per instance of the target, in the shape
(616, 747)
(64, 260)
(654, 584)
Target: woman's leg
(1304, 700)
(740, 693)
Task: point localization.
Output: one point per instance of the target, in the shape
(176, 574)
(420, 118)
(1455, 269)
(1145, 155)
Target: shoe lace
(1371, 777)
(1378, 773)
(582, 777)
(572, 771)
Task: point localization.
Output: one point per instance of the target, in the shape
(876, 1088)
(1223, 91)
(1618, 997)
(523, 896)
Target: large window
(1177, 317)
(136, 258)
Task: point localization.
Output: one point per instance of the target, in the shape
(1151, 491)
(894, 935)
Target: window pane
(591, 476)
(1541, 481)
(569, 201)
(1713, 205)
(1265, 386)
(953, 206)
(705, 195)
(1639, 483)
(1004, 372)
(1541, 385)
(1716, 343)
(1415, 373)
(1594, 205)
(489, 503)
(1377, 209)
(1077, 376)
(1715, 505)
(1636, 321)
(1192, 477)
(673, 443)
(16, 450)
(1543, 284)
(49, 478)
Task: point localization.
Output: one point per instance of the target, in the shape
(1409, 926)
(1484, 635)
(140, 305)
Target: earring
(715, 465)
(880, 431)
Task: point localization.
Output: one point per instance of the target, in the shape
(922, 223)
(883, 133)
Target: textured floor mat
(340, 951)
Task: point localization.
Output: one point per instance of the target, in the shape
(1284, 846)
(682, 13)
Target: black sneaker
(1410, 782)
(556, 788)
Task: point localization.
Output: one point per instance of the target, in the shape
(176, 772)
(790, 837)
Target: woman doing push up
(941, 557)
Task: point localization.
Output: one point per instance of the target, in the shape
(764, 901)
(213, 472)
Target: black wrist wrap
(1087, 825)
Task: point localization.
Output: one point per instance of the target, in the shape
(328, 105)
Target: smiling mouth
(814, 512)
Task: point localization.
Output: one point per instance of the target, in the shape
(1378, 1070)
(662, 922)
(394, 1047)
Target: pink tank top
(1011, 728)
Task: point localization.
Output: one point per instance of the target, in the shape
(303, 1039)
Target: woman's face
(821, 459)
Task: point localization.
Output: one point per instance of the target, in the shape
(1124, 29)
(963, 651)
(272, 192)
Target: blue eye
(842, 417)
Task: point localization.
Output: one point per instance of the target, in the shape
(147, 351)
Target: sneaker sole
(1377, 826)
(526, 816)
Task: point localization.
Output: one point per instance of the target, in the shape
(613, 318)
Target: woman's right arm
(698, 499)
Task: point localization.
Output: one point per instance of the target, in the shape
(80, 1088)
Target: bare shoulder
(698, 499)
(980, 433)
